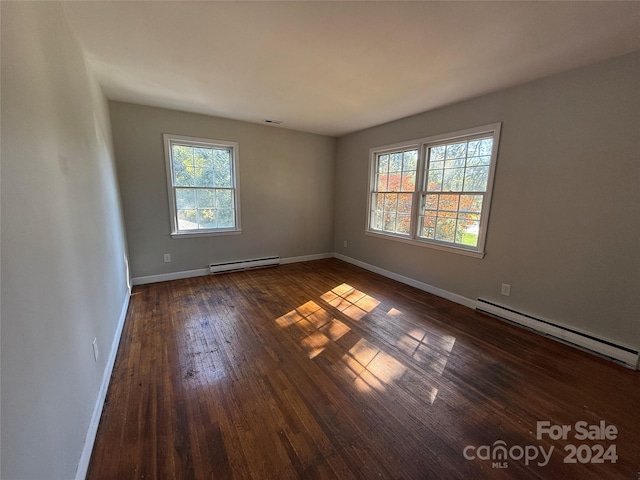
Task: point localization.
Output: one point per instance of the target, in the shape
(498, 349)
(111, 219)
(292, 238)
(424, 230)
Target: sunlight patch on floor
(429, 350)
(371, 368)
(350, 301)
(311, 316)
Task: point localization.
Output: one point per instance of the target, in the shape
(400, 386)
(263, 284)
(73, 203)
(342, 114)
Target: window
(435, 191)
(203, 191)
(394, 184)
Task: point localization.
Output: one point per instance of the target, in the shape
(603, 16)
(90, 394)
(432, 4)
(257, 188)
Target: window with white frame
(435, 191)
(203, 185)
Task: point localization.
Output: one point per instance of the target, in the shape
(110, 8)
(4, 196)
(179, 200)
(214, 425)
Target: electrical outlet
(96, 354)
(506, 289)
(344, 244)
(167, 257)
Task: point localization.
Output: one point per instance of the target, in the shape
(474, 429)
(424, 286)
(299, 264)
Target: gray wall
(286, 189)
(564, 224)
(64, 277)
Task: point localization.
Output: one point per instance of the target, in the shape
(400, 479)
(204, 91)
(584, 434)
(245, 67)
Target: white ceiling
(337, 67)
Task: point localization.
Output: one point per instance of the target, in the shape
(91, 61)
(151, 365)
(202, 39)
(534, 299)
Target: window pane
(471, 203)
(203, 157)
(410, 161)
(445, 229)
(185, 198)
(428, 226)
(222, 168)
(206, 218)
(485, 146)
(469, 216)
(390, 202)
(448, 203)
(467, 232)
(457, 150)
(224, 199)
(377, 201)
(395, 162)
(182, 155)
(454, 163)
(404, 203)
(206, 198)
(476, 161)
(408, 182)
(225, 218)
(473, 148)
(431, 202)
(453, 178)
(395, 180)
(383, 163)
(221, 159)
(382, 182)
(434, 181)
(376, 220)
(183, 175)
(187, 220)
(436, 154)
(434, 165)
(389, 222)
(223, 179)
(183, 172)
(475, 179)
(403, 225)
(204, 177)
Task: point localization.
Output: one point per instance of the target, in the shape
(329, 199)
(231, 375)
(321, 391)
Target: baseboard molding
(569, 335)
(90, 438)
(306, 258)
(165, 277)
(454, 297)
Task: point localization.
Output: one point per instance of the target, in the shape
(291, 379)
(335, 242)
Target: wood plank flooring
(322, 370)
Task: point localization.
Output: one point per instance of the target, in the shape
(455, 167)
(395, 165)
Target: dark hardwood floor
(324, 370)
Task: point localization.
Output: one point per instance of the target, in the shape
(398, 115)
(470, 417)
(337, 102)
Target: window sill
(420, 243)
(219, 233)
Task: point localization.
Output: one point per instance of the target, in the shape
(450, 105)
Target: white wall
(286, 189)
(564, 224)
(64, 275)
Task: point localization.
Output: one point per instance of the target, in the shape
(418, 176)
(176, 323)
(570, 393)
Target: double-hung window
(202, 176)
(435, 191)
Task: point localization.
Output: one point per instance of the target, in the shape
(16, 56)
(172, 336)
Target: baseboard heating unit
(243, 264)
(619, 353)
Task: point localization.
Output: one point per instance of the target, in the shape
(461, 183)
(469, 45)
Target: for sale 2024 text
(582, 431)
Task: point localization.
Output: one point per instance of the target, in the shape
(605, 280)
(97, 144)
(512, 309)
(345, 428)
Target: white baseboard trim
(570, 335)
(306, 258)
(165, 277)
(90, 438)
(454, 297)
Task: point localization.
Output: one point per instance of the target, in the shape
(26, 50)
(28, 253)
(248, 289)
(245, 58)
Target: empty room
(320, 240)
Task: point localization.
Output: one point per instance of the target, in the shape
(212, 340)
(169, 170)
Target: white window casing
(203, 186)
(435, 191)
